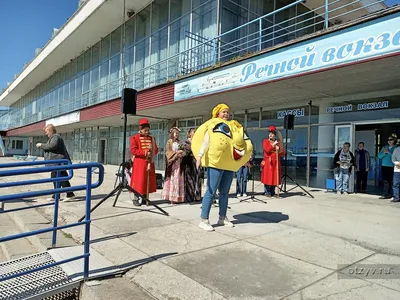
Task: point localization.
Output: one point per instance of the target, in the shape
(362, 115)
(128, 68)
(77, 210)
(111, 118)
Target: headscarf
(218, 109)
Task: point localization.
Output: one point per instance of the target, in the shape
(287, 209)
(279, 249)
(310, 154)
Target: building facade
(331, 63)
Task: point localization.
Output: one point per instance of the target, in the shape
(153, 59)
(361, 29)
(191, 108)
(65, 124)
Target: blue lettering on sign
(251, 70)
(297, 112)
(361, 42)
(339, 109)
(373, 105)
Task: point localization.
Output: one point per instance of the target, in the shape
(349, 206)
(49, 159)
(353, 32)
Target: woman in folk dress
(174, 182)
(192, 174)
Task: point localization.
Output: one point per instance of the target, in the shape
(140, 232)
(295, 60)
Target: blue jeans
(241, 182)
(396, 185)
(216, 180)
(342, 180)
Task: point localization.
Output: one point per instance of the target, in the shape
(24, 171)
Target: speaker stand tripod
(253, 197)
(124, 184)
(285, 175)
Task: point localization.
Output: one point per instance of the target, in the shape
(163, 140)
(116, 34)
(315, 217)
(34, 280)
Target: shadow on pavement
(260, 217)
(111, 237)
(123, 268)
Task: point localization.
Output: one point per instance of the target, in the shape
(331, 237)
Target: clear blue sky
(26, 25)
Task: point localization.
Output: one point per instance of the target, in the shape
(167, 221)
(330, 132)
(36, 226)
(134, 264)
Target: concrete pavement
(289, 248)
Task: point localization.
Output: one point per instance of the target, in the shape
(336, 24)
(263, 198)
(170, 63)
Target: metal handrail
(88, 187)
(34, 181)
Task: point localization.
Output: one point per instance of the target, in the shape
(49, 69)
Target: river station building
(333, 64)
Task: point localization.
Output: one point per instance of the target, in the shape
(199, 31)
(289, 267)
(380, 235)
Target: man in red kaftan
(143, 148)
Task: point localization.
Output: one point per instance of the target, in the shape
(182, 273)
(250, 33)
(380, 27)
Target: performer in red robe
(143, 148)
(270, 164)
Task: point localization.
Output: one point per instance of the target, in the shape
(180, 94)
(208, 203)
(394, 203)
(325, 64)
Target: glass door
(343, 134)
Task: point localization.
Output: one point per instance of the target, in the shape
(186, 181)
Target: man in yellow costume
(221, 146)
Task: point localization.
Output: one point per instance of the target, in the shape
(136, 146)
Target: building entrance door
(375, 137)
(103, 151)
(343, 134)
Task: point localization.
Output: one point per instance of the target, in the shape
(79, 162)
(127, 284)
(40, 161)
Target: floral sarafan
(229, 147)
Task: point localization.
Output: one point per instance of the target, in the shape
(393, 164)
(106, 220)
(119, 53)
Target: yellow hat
(218, 109)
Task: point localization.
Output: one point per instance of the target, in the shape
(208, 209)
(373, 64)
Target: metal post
(260, 35)
(326, 14)
(286, 139)
(87, 222)
(309, 145)
(55, 221)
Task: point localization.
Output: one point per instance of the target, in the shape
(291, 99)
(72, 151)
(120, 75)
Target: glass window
(240, 117)
(205, 20)
(78, 83)
(86, 82)
(104, 71)
(116, 41)
(130, 31)
(105, 49)
(80, 64)
(87, 59)
(96, 54)
(322, 150)
(179, 8)
(143, 24)
(72, 89)
(253, 119)
(159, 14)
(95, 77)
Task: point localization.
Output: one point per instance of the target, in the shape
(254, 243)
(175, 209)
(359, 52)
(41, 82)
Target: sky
(26, 25)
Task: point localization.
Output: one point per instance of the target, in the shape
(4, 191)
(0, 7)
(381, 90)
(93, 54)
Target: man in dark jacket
(362, 163)
(55, 149)
(343, 162)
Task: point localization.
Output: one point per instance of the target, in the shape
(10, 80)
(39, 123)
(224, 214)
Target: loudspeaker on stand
(289, 122)
(128, 101)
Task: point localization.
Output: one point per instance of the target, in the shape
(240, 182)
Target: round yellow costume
(229, 147)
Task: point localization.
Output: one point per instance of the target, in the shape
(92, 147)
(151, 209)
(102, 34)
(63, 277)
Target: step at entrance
(38, 283)
(58, 282)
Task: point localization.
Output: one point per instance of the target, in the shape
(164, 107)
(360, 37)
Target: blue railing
(56, 166)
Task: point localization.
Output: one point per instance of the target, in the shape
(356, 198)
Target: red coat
(268, 173)
(139, 145)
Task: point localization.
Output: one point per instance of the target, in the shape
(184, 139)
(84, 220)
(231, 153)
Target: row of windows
(160, 31)
(157, 32)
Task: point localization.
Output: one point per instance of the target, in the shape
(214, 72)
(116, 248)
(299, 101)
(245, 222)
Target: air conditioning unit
(37, 51)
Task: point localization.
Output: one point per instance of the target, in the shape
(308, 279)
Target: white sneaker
(205, 225)
(345, 193)
(244, 195)
(338, 192)
(225, 222)
(238, 195)
(69, 199)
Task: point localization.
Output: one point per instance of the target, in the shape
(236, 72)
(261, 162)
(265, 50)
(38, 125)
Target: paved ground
(291, 248)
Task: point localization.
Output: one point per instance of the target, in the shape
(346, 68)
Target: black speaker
(128, 101)
(289, 122)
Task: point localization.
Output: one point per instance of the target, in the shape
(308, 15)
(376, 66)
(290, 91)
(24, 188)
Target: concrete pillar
(326, 144)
